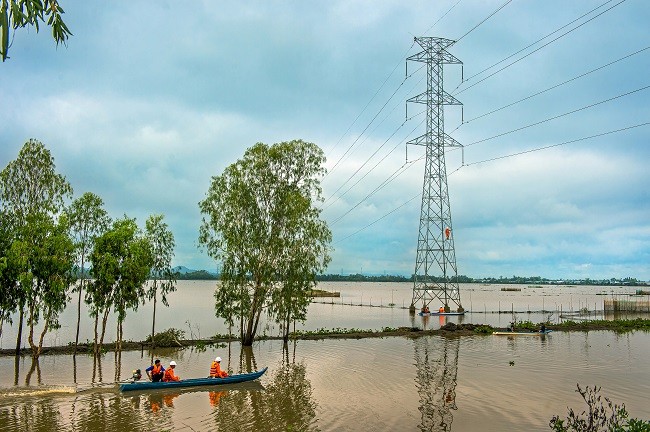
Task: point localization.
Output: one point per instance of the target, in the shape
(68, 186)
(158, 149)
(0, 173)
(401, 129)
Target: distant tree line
(521, 280)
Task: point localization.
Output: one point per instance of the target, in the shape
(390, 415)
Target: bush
(168, 338)
(602, 415)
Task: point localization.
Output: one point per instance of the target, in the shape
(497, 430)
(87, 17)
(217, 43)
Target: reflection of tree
(112, 412)
(437, 366)
(33, 415)
(285, 404)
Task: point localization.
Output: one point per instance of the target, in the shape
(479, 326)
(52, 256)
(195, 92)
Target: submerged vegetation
(615, 325)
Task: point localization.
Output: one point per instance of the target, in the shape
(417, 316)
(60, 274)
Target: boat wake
(27, 392)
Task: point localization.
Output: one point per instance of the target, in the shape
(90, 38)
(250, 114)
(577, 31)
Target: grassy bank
(448, 330)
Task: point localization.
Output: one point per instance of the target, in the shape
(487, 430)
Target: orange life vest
(216, 372)
(170, 376)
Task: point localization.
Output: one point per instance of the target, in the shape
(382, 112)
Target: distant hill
(183, 270)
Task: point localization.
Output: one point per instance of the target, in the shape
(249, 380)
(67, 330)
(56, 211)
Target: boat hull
(192, 382)
(508, 333)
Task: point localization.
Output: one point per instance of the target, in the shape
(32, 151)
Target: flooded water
(487, 383)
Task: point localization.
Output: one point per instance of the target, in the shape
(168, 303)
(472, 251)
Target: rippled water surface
(487, 383)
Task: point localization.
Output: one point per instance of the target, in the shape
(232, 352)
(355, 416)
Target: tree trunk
(81, 286)
(153, 324)
(96, 335)
(20, 329)
(101, 339)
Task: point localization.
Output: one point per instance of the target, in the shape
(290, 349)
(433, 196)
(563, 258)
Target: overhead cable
(537, 49)
(558, 116)
(556, 86)
(559, 144)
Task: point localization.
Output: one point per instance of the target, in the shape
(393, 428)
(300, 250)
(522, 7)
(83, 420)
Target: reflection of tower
(436, 360)
(436, 275)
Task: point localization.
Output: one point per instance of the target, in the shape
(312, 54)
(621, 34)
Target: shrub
(168, 338)
(602, 415)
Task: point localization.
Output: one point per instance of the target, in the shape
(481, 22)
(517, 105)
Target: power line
(439, 19)
(369, 124)
(560, 144)
(537, 41)
(498, 158)
(399, 171)
(555, 86)
(559, 116)
(537, 49)
(487, 18)
(371, 99)
(368, 160)
(377, 220)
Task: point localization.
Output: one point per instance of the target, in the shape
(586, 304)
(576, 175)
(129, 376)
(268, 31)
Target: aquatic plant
(602, 415)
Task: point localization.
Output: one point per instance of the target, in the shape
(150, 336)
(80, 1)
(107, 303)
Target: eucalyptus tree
(48, 251)
(15, 14)
(87, 219)
(8, 274)
(162, 244)
(121, 263)
(260, 220)
(30, 191)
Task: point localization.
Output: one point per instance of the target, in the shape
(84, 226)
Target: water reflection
(42, 415)
(286, 403)
(436, 360)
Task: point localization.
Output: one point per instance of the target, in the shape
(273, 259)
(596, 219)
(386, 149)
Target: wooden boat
(192, 382)
(517, 333)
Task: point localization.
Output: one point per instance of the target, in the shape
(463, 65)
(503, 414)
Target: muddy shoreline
(448, 330)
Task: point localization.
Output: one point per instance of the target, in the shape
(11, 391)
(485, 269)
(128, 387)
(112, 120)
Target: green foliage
(260, 220)
(36, 253)
(87, 220)
(17, 14)
(601, 415)
(623, 325)
(121, 263)
(171, 337)
(483, 329)
(161, 241)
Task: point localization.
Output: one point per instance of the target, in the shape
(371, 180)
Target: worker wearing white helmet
(169, 373)
(215, 369)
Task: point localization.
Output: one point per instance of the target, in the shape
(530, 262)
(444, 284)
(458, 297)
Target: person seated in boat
(542, 328)
(136, 375)
(512, 327)
(169, 373)
(215, 369)
(441, 309)
(156, 371)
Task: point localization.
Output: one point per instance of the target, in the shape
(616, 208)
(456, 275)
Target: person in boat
(169, 373)
(156, 371)
(512, 327)
(215, 369)
(137, 374)
(542, 328)
(441, 309)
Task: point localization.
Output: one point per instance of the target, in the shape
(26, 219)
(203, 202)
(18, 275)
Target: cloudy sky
(149, 100)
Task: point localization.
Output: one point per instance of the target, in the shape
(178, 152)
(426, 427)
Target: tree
(30, 13)
(162, 244)
(121, 262)
(9, 286)
(261, 222)
(30, 190)
(87, 220)
(48, 254)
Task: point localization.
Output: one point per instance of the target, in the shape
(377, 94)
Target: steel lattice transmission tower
(436, 274)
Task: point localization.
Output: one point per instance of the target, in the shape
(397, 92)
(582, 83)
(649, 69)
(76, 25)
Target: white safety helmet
(218, 359)
(172, 363)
